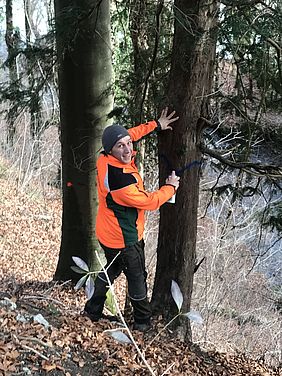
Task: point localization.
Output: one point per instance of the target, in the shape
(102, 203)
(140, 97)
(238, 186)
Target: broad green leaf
(119, 336)
(80, 263)
(80, 283)
(89, 287)
(77, 270)
(110, 302)
(194, 316)
(176, 294)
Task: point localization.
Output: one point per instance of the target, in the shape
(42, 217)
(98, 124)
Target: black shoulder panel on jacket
(118, 179)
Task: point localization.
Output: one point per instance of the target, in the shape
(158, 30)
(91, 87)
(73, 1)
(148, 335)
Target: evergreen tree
(191, 78)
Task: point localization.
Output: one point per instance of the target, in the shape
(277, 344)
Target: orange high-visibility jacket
(123, 199)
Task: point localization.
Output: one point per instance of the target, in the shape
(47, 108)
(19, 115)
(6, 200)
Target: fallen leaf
(48, 367)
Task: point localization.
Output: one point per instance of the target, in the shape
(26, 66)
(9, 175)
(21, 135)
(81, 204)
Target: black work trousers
(131, 261)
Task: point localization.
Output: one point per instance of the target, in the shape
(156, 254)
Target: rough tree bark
(12, 39)
(138, 31)
(143, 15)
(85, 91)
(35, 106)
(190, 82)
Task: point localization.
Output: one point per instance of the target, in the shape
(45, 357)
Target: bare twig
(257, 169)
(164, 328)
(57, 284)
(34, 339)
(42, 297)
(17, 339)
(168, 369)
(35, 351)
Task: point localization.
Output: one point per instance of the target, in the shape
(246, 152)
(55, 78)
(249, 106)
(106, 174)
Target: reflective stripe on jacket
(123, 199)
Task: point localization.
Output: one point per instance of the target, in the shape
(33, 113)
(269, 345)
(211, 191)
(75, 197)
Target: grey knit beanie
(111, 135)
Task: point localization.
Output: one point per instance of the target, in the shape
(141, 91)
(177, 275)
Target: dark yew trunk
(85, 79)
(190, 82)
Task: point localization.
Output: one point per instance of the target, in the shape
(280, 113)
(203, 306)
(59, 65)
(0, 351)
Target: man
(120, 218)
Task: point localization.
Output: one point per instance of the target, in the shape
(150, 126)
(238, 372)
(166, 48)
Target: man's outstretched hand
(166, 119)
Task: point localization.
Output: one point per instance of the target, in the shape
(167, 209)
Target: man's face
(122, 150)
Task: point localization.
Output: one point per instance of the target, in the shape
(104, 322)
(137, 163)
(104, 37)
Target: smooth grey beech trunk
(191, 78)
(85, 93)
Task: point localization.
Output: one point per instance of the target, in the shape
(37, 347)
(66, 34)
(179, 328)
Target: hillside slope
(68, 343)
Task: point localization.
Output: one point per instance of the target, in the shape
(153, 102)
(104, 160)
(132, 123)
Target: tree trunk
(190, 81)
(138, 32)
(35, 107)
(144, 20)
(11, 38)
(85, 91)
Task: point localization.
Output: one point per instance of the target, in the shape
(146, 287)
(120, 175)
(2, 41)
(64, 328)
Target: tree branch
(270, 171)
(272, 42)
(237, 3)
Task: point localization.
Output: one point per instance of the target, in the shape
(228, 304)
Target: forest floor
(62, 341)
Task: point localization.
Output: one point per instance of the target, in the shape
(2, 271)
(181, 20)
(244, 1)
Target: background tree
(247, 105)
(12, 40)
(37, 124)
(145, 31)
(29, 99)
(190, 83)
(85, 87)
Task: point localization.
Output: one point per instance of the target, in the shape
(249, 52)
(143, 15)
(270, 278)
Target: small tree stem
(164, 328)
(123, 321)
